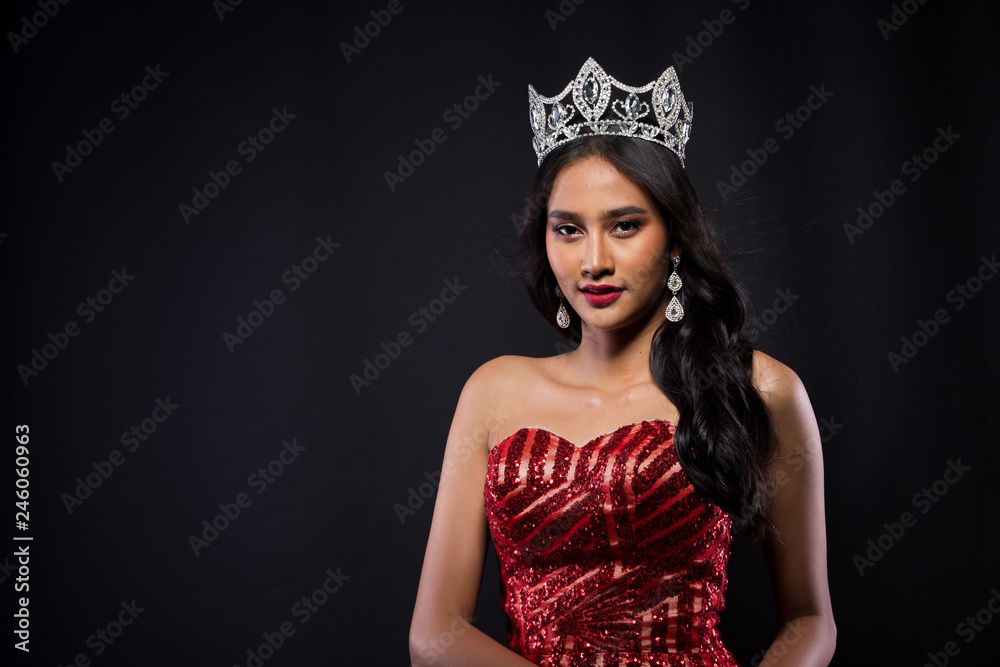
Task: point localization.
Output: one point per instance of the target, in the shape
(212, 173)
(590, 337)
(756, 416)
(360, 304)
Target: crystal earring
(675, 312)
(562, 317)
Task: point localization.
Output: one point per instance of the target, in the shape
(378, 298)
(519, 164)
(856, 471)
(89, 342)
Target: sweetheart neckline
(590, 442)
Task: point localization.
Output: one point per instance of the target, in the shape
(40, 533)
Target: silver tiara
(670, 124)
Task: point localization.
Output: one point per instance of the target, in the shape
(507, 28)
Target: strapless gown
(607, 554)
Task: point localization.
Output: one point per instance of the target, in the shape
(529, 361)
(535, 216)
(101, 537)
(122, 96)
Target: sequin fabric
(608, 556)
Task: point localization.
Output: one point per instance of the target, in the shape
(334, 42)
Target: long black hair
(704, 363)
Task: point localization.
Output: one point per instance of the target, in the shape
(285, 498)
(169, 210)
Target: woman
(611, 477)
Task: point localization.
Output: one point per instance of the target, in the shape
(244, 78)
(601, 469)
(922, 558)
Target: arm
(796, 555)
(441, 632)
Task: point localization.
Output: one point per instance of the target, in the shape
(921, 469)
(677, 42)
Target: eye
(565, 230)
(627, 227)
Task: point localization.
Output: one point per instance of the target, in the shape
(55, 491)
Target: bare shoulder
(492, 381)
(788, 402)
(496, 388)
(771, 377)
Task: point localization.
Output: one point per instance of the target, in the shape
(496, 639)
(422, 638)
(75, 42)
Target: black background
(889, 430)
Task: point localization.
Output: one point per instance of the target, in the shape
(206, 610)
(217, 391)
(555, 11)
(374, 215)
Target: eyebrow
(613, 213)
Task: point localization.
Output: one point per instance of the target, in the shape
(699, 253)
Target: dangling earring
(562, 317)
(675, 312)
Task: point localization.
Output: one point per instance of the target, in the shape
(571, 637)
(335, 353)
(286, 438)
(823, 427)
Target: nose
(597, 259)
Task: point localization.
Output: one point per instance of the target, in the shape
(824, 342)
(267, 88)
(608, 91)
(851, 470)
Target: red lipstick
(601, 295)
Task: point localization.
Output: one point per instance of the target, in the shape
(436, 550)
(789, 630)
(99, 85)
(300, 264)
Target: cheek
(650, 267)
(557, 256)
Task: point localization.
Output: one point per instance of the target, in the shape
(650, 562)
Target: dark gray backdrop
(890, 320)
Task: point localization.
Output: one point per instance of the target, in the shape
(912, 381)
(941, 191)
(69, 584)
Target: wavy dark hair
(703, 363)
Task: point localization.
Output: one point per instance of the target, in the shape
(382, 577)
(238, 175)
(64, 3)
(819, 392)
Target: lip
(601, 295)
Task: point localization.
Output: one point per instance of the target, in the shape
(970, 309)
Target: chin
(611, 322)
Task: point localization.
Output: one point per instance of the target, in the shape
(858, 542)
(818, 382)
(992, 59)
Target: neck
(614, 359)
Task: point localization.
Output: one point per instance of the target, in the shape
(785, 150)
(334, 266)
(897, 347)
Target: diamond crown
(596, 113)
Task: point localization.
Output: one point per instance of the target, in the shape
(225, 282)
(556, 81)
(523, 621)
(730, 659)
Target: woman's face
(607, 245)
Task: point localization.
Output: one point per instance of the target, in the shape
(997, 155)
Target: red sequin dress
(607, 554)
